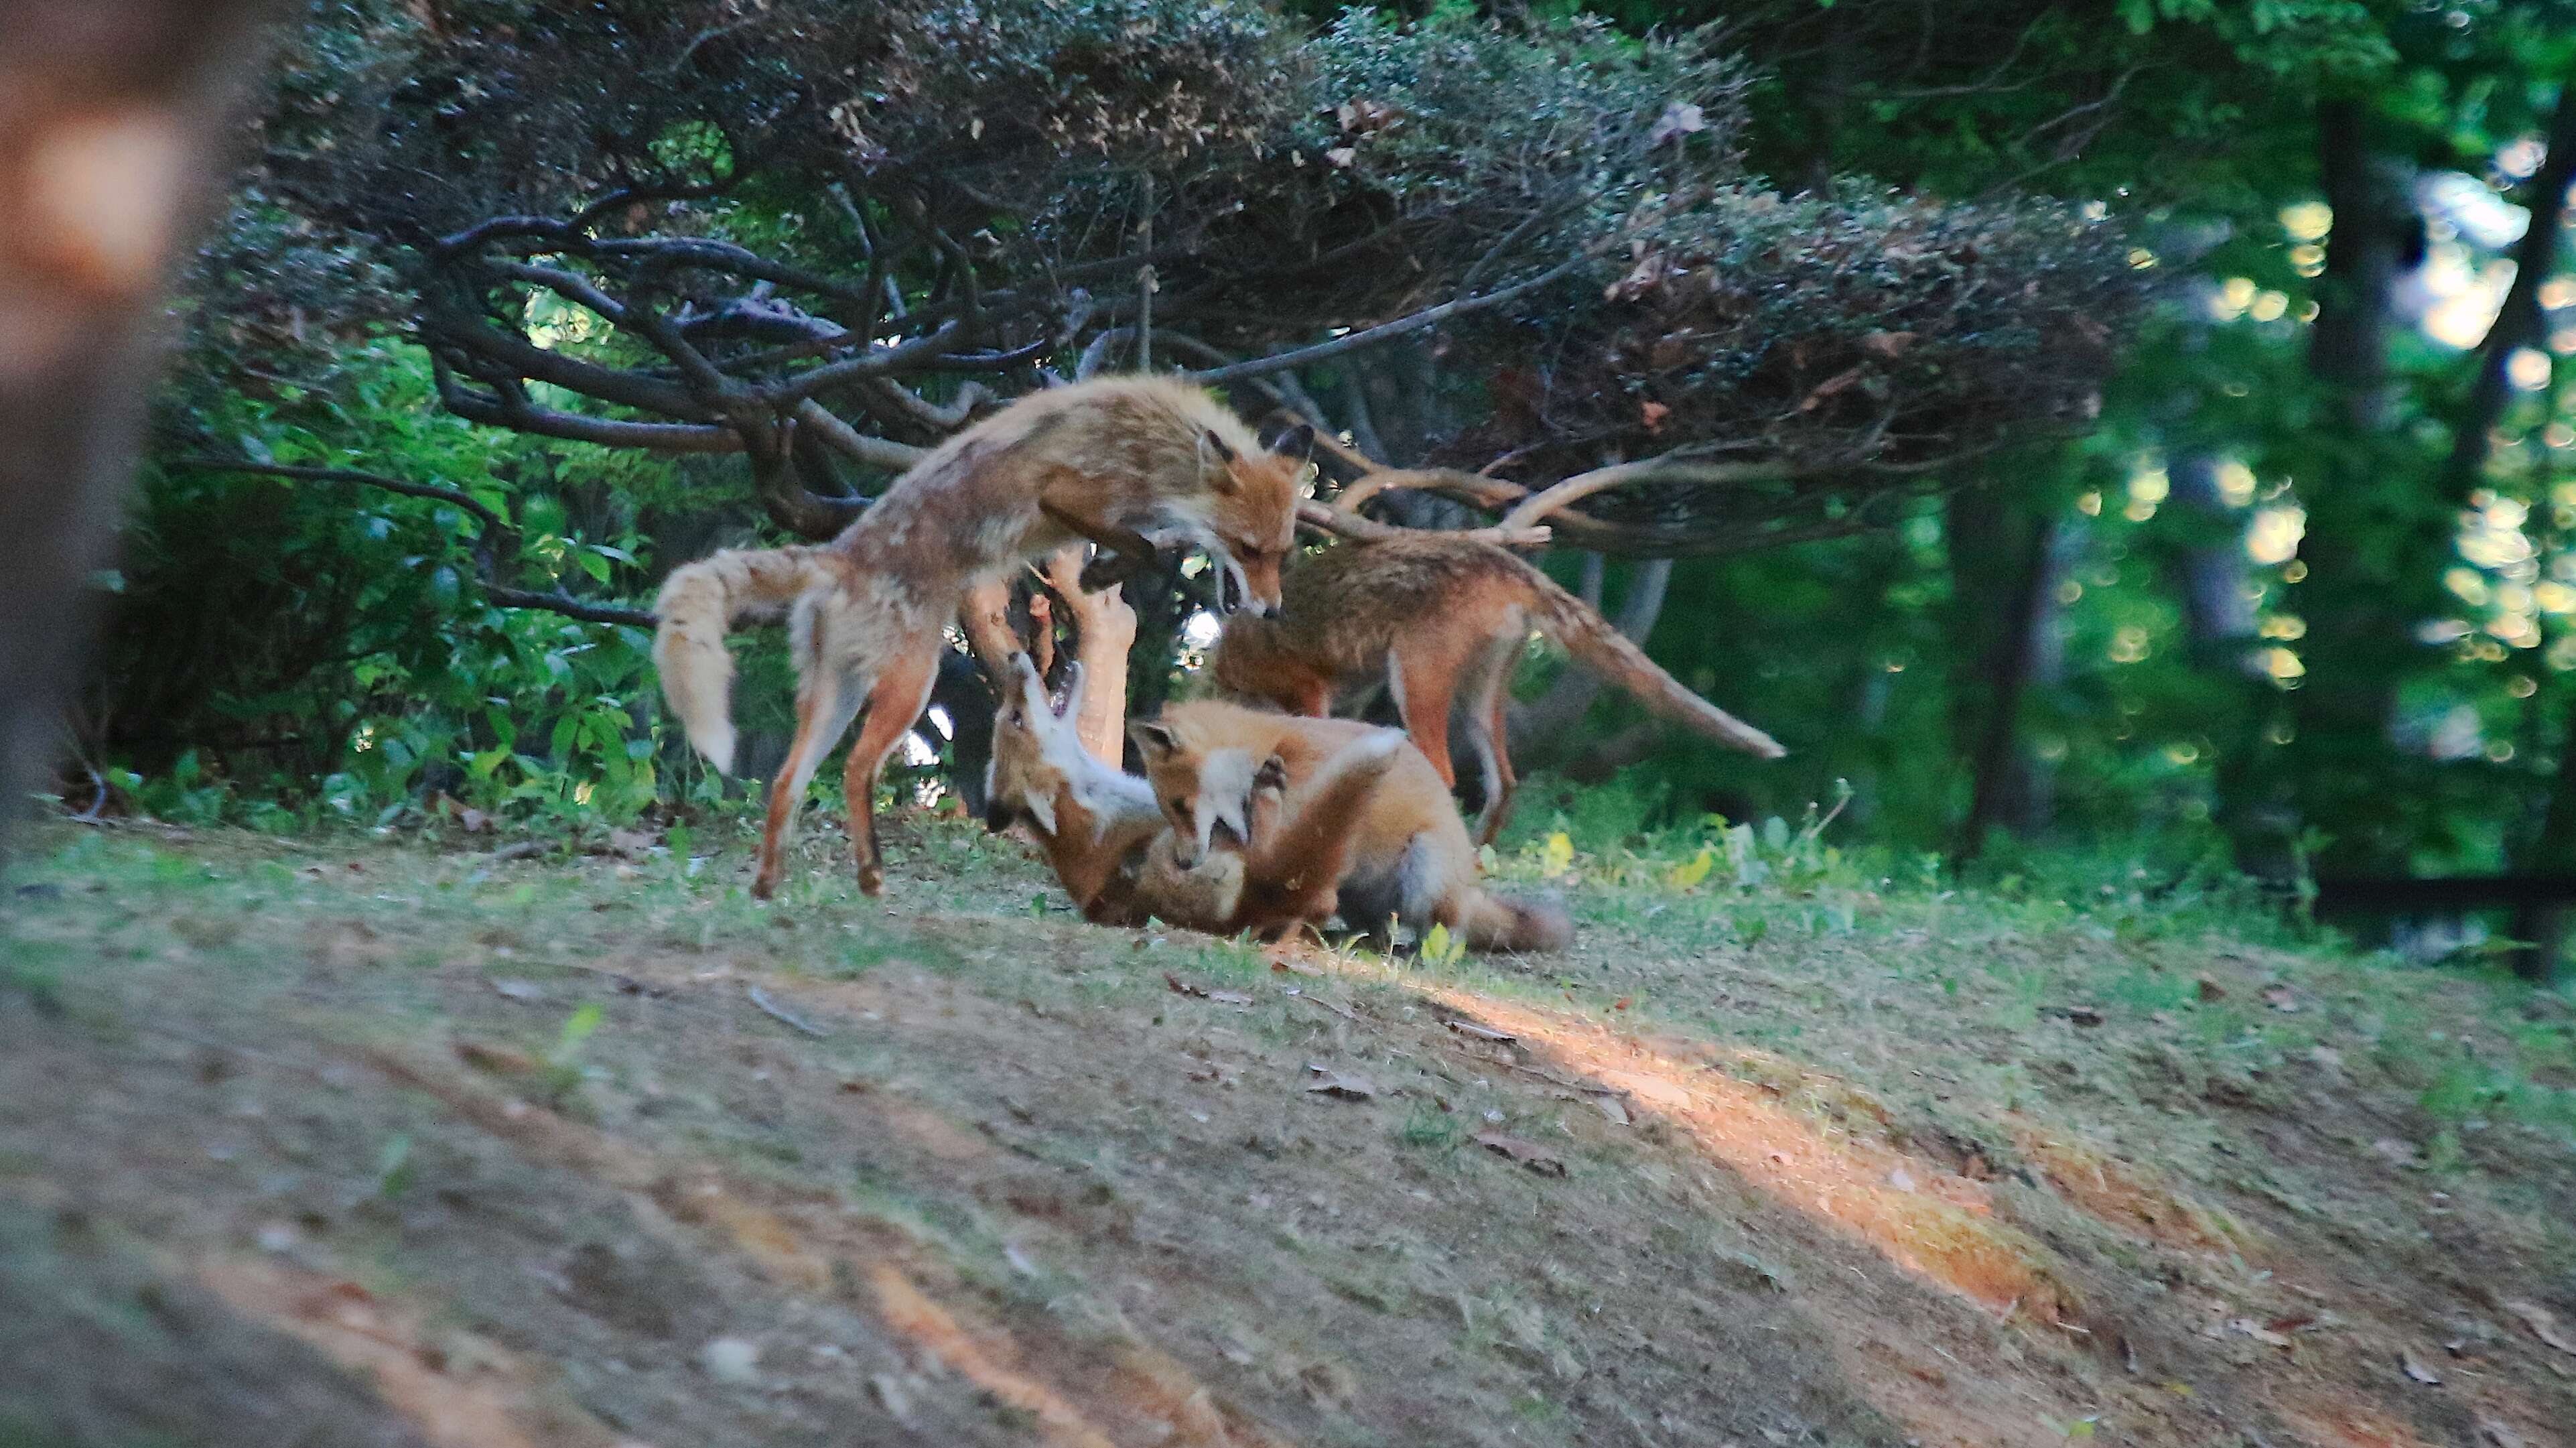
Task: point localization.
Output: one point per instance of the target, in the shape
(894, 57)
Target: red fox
(1113, 850)
(1142, 455)
(1438, 617)
(1410, 858)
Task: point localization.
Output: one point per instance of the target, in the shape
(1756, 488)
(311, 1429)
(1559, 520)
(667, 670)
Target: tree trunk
(115, 116)
(2542, 928)
(2215, 581)
(2374, 546)
(2519, 321)
(2002, 584)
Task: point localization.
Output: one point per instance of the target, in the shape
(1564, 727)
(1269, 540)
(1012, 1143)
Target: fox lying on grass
(1154, 457)
(1436, 618)
(1115, 853)
(1410, 859)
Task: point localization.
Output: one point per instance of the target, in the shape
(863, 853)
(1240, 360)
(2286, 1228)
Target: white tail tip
(718, 749)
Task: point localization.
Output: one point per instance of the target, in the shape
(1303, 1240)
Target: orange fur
(1144, 455)
(1437, 618)
(1410, 859)
(1113, 850)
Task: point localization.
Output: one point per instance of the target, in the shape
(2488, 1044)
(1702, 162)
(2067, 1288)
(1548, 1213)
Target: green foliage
(287, 651)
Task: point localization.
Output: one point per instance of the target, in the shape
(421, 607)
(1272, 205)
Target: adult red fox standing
(1436, 617)
(1154, 456)
(1409, 856)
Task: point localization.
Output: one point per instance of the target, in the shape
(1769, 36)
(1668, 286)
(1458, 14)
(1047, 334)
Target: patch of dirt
(968, 1171)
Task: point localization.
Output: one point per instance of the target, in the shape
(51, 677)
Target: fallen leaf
(1293, 965)
(1611, 1108)
(1653, 414)
(474, 821)
(499, 1060)
(2211, 990)
(1482, 1033)
(518, 990)
(1831, 387)
(1330, 1082)
(2259, 1332)
(2415, 1368)
(1342, 155)
(1182, 987)
(2078, 1015)
(2280, 998)
(2543, 1324)
(1528, 1153)
(1336, 1007)
(1888, 345)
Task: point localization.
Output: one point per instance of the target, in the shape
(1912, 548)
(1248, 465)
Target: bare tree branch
(1388, 331)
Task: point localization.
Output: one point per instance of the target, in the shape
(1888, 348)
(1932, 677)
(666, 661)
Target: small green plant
(563, 1063)
(394, 1170)
(1441, 949)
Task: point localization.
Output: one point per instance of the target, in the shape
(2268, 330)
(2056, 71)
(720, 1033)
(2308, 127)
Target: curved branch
(492, 521)
(1325, 518)
(523, 358)
(1388, 331)
(857, 446)
(1665, 469)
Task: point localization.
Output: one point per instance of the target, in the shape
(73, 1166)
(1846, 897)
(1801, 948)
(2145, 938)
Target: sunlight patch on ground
(814, 1258)
(1929, 1221)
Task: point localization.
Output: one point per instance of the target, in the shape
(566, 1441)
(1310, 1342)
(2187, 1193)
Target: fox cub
(1438, 618)
(1409, 861)
(1115, 853)
(1148, 456)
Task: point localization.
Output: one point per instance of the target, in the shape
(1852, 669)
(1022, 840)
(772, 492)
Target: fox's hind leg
(1424, 674)
(901, 690)
(823, 708)
(1487, 723)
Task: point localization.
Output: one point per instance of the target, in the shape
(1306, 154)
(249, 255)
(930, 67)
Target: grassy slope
(1841, 1162)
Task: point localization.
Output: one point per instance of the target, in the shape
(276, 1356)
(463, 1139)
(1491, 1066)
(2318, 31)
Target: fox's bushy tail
(1598, 646)
(1500, 922)
(699, 602)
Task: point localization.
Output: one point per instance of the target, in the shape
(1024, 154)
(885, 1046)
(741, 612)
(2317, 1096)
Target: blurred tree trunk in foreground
(114, 117)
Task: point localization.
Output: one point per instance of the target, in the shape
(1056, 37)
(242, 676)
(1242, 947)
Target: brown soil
(313, 1138)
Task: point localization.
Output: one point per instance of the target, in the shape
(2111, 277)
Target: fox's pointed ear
(1153, 738)
(1297, 442)
(1216, 461)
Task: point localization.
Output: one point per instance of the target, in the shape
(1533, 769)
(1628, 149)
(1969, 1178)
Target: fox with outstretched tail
(1437, 618)
(1149, 458)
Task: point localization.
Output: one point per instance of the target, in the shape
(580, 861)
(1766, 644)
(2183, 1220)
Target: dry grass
(1828, 1162)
